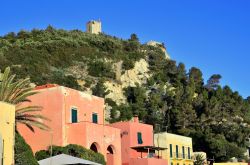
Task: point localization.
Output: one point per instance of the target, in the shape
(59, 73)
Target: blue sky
(213, 35)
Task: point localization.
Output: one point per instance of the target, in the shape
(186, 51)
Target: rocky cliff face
(138, 75)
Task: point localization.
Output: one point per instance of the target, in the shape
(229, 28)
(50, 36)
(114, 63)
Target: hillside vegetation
(215, 116)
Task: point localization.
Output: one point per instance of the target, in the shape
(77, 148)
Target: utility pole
(51, 146)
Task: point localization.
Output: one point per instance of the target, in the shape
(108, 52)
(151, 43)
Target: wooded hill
(216, 117)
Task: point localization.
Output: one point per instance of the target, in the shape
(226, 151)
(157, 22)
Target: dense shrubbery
(73, 150)
(35, 53)
(23, 152)
(99, 68)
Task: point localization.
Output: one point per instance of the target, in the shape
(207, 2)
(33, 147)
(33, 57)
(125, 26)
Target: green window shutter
(177, 154)
(139, 138)
(183, 152)
(171, 150)
(94, 118)
(73, 115)
(189, 156)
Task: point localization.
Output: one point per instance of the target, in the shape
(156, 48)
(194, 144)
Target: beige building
(94, 27)
(7, 133)
(180, 148)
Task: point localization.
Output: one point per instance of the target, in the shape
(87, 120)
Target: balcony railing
(180, 156)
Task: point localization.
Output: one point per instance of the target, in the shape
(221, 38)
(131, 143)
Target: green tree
(213, 82)
(73, 150)
(99, 89)
(23, 152)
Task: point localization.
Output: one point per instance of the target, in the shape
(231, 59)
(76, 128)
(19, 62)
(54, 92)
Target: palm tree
(199, 159)
(16, 93)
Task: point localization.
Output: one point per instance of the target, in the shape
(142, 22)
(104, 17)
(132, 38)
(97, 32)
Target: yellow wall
(165, 139)
(7, 132)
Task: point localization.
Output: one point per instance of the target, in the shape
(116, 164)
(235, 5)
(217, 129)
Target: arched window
(94, 147)
(110, 149)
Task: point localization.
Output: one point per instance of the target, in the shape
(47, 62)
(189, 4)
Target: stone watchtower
(94, 27)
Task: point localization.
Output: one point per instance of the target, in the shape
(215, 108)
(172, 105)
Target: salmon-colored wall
(148, 161)
(86, 104)
(57, 102)
(51, 100)
(129, 138)
(125, 140)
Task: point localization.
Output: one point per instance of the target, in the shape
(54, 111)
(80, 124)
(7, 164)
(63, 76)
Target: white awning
(64, 159)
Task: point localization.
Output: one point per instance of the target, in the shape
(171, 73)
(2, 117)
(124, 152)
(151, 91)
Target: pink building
(76, 118)
(138, 144)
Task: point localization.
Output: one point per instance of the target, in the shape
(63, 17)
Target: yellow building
(7, 133)
(231, 163)
(179, 148)
(94, 27)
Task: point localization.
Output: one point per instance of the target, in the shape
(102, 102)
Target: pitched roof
(64, 159)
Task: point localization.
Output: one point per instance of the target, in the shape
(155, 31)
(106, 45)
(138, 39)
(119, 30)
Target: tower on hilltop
(94, 27)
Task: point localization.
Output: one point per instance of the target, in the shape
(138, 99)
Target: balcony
(148, 156)
(180, 156)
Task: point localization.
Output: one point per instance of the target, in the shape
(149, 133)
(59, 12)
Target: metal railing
(180, 156)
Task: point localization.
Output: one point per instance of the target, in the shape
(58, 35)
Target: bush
(73, 150)
(101, 69)
(23, 152)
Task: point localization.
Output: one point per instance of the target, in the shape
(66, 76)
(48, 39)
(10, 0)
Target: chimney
(136, 119)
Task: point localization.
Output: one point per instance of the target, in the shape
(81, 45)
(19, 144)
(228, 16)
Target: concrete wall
(165, 139)
(7, 132)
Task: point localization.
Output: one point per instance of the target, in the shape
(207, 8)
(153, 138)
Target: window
(189, 157)
(177, 154)
(95, 118)
(183, 152)
(73, 115)
(170, 150)
(139, 138)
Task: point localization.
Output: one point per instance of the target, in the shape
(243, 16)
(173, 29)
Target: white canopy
(64, 159)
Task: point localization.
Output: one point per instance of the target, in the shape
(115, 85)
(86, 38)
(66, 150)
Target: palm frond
(29, 109)
(18, 92)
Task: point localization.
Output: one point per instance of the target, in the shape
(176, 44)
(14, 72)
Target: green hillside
(215, 116)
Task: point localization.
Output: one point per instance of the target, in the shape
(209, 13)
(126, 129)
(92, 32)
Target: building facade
(180, 148)
(137, 135)
(76, 118)
(94, 27)
(7, 133)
